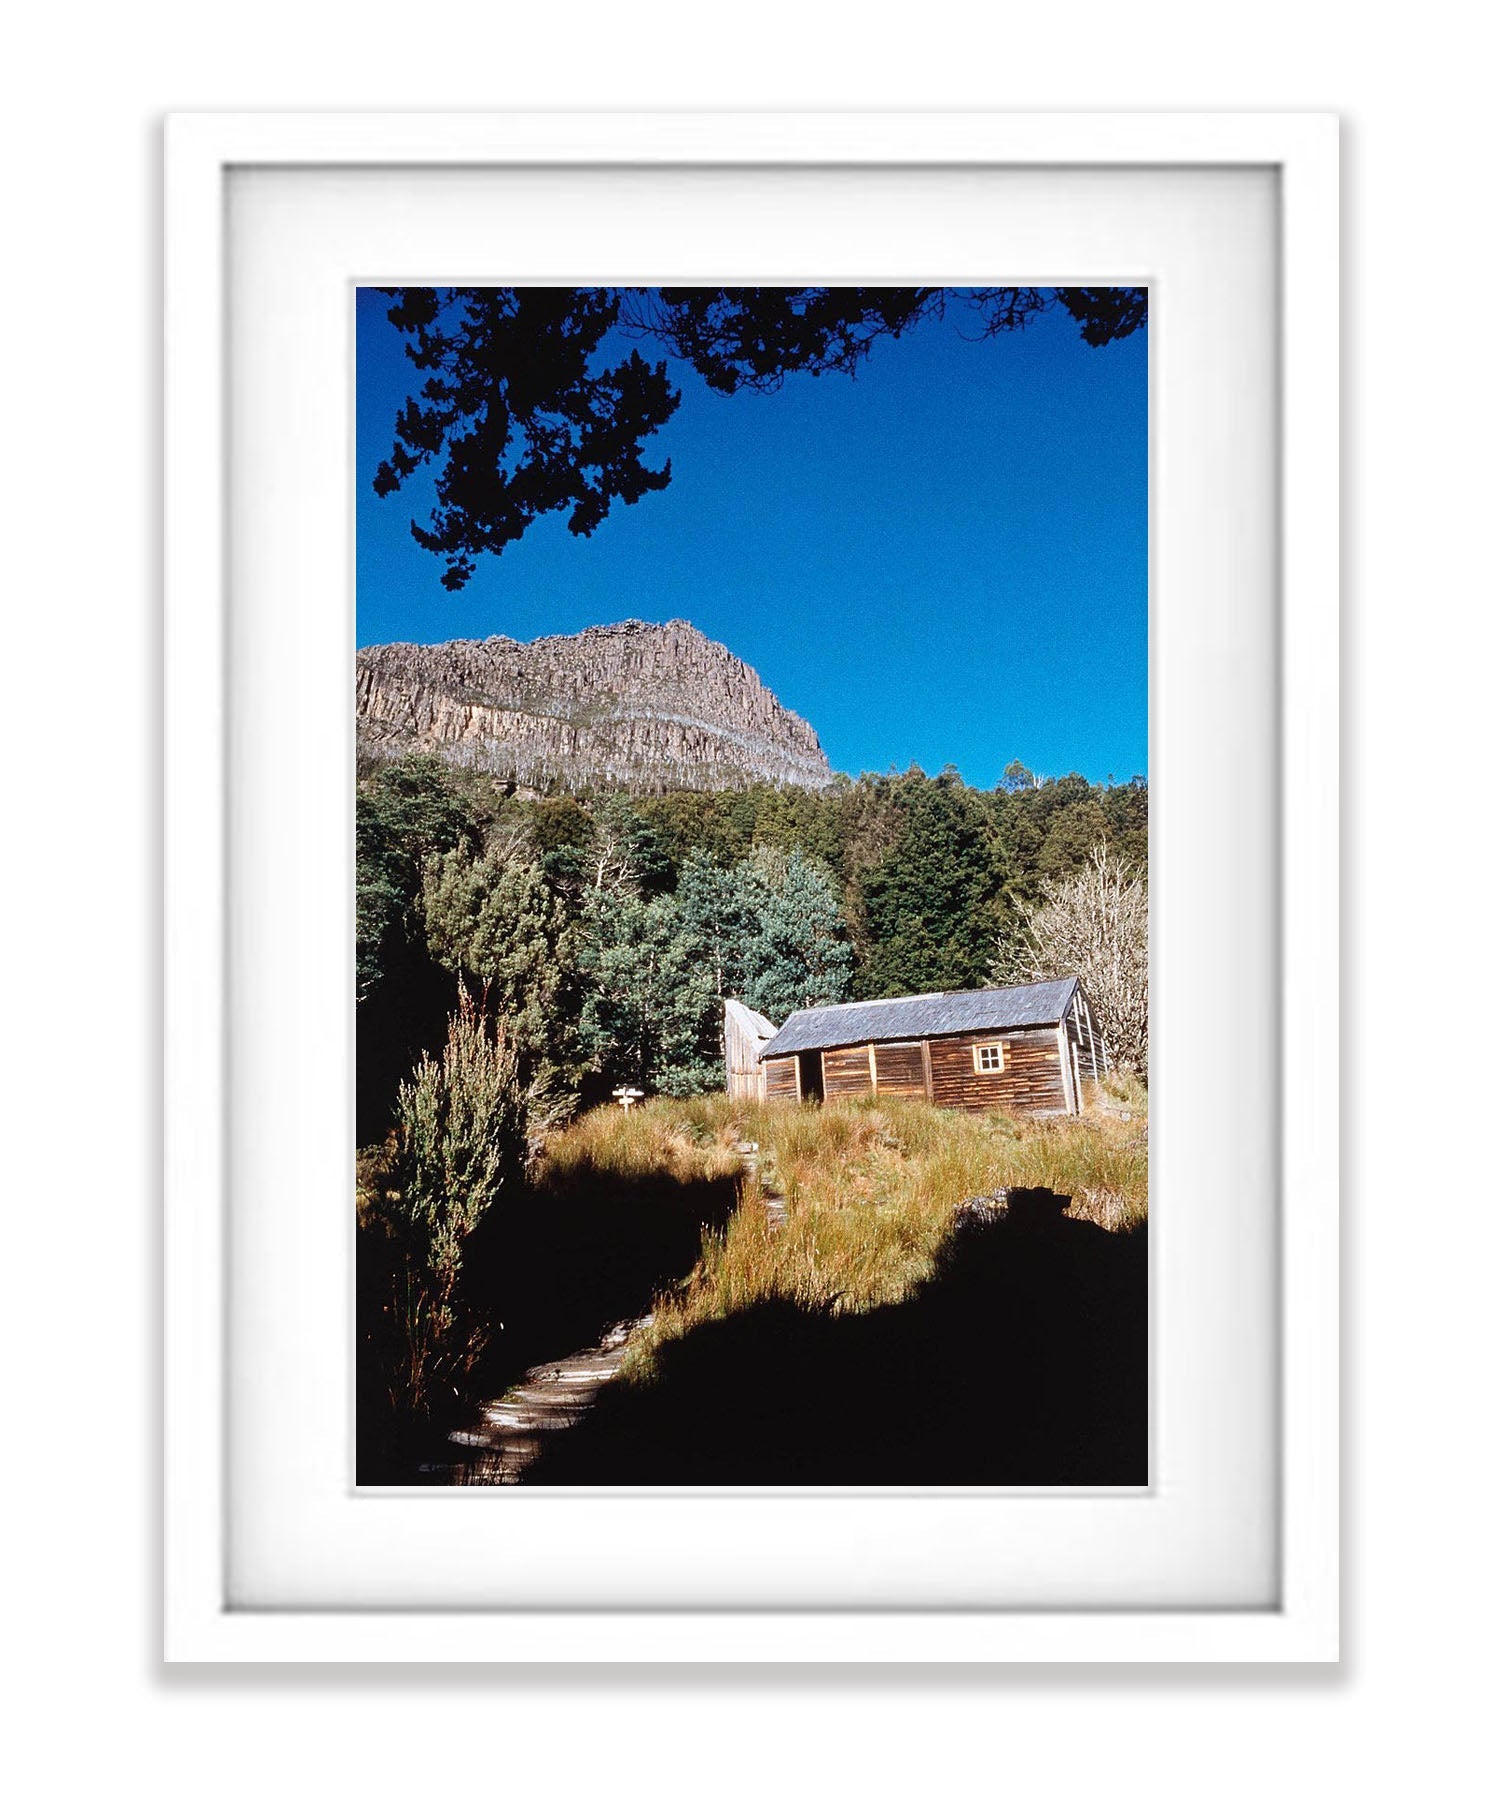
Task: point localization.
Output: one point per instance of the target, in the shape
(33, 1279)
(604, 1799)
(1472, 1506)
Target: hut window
(989, 1059)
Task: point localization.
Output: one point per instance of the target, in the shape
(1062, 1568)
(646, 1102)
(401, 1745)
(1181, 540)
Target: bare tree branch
(1093, 925)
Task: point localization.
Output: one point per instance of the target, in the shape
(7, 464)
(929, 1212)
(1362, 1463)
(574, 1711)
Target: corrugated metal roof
(923, 1016)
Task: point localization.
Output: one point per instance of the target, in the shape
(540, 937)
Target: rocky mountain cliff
(647, 707)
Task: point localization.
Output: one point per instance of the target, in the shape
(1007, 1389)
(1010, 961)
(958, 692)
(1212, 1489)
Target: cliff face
(647, 707)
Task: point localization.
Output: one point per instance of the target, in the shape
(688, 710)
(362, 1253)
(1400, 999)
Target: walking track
(513, 1431)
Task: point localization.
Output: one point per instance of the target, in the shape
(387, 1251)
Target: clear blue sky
(942, 560)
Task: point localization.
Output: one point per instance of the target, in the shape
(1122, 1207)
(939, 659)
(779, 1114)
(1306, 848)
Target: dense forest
(604, 930)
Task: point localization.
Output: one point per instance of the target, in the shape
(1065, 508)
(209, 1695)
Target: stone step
(548, 1398)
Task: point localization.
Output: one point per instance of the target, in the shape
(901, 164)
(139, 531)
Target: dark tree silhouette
(528, 427)
(524, 423)
(1104, 314)
(755, 337)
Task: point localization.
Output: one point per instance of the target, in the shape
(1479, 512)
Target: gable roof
(752, 1023)
(924, 1016)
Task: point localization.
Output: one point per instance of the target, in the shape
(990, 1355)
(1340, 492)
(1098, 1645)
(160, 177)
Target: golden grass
(870, 1189)
(648, 1141)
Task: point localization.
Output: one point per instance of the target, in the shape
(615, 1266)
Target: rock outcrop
(644, 707)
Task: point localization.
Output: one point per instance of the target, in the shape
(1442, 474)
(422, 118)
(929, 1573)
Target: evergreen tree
(1076, 831)
(794, 953)
(561, 830)
(1126, 809)
(935, 903)
(888, 884)
(409, 811)
(713, 914)
(722, 822)
(496, 918)
(648, 1000)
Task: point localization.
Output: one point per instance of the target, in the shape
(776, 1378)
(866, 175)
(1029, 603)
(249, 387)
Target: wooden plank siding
(782, 1078)
(1031, 1081)
(1038, 1073)
(1067, 1065)
(900, 1069)
(742, 1046)
(847, 1073)
(1088, 1051)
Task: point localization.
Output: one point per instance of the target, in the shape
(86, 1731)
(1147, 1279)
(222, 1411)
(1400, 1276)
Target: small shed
(1029, 1048)
(746, 1034)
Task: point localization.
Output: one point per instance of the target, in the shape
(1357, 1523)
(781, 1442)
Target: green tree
(794, 950)
(868, 825)
(1021, 835)
(647, 995)
(713, 914)
(560, 830)
(720, 822)
(496, 917)
(935, 903)
(407, 812)
(1076, 830)
(1126, 807)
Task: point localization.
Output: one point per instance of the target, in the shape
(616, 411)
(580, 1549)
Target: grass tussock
(648, 1143)
(870, 1189)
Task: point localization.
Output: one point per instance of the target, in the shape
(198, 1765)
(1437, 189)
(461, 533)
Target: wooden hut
(1029, 1048)
(746, 1034)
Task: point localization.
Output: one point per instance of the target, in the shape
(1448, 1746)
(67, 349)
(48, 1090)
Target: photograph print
(751, 970)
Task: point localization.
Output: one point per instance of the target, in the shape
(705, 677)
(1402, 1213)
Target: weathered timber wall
(899, 1070)
(742, 1055)
(1083, 1031)
(1031, 1081)
(846, 1072)
(780, 1073)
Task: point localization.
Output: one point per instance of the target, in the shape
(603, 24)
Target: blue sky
(942, 560)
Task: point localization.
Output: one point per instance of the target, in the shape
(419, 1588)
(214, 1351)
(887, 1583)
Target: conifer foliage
(792, 951)
(496, 918)
(935, 902)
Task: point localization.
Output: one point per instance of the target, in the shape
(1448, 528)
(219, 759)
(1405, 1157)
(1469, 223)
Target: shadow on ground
(585, 1253)
(550, 1274)
(1023, 1361)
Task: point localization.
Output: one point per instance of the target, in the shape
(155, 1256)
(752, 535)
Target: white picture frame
(203, 1622)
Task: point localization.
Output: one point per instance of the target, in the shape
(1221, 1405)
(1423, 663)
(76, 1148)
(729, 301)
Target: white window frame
(981, 1067)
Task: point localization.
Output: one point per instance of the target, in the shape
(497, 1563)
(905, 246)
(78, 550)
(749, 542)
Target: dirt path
(761, 1166)
(513, 1431)
(554, 1396)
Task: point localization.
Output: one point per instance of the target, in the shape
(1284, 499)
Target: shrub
(460, 1144)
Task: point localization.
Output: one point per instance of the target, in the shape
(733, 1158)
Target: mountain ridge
(631, 704)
